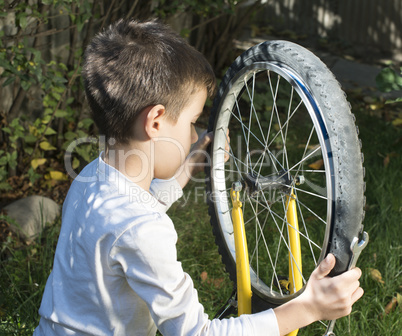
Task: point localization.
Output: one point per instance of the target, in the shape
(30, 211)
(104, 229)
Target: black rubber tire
(343, 144)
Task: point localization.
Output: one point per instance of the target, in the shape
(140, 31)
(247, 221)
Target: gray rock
(31, 214)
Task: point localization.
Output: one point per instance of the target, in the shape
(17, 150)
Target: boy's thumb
(325, 266)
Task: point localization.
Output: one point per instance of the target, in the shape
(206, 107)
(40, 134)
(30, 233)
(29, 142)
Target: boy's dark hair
(132, 65)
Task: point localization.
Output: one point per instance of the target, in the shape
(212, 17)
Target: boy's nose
(194, 135)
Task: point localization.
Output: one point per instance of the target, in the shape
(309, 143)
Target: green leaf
(61, 114)
(33, 176)
(63, 66)
(9, 81)
(50, 131)
(23, 21)
(69, 100)
(25, 85)
(6, 129)
(30, 138)
(76, 163)
(46, 119)
(12, 159)
(37, 56)
(46, 146)
(3, 161)
(28, 150)
(56, 95)
(388, 80)
(83, 151)
(7, 66)
(397, 100)
(5, 186)
(85, 123)
(70, 136)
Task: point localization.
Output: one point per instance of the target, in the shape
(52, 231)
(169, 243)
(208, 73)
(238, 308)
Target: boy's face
(173, 144)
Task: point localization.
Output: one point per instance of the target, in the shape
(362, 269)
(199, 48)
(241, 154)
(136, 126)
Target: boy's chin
(166, 173)
(165, 176)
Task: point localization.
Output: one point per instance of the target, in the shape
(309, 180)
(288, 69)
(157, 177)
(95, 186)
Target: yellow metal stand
(242, 262)
(295, 260)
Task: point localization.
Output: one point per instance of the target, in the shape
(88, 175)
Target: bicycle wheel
(291, 132)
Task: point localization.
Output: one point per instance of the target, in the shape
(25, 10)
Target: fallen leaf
(388, 158)
(390, 306)
(376, 275)
(204, 276)
(317, 164)
(218, 282)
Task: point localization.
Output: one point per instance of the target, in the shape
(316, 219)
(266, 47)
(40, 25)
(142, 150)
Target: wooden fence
(375, 24)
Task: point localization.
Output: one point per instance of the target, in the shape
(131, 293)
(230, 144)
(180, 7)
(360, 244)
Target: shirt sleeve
(146, 253)
(166, 191)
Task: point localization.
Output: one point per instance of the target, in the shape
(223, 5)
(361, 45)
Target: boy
(115, 269)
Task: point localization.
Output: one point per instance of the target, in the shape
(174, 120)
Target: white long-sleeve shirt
(116, 271)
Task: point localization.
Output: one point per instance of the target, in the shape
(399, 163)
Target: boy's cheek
(169, 155)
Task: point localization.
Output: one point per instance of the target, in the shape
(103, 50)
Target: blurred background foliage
(41, 46)
(42, 105)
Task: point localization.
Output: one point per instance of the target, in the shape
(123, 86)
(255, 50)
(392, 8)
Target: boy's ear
(153, 119)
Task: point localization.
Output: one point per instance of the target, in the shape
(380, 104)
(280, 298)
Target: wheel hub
(282, 181)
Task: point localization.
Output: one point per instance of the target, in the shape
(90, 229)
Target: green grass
(383, 222)
(25, 268)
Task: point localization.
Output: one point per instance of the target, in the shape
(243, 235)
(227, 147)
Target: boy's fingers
(209, 136)
(351, 275)
(358, 293)
(204, 139)
(325, 267)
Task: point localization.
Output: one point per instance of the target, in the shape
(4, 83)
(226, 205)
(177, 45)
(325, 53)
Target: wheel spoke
(304, 158)
(283, 219)
(273, 213)
(307, 234)
(266, 248)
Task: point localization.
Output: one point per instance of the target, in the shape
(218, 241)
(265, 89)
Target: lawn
(380, 261)
(25, 268)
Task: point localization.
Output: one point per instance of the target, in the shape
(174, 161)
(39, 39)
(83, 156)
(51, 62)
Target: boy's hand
(324, 298)
(331, 298)
(198, 155)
